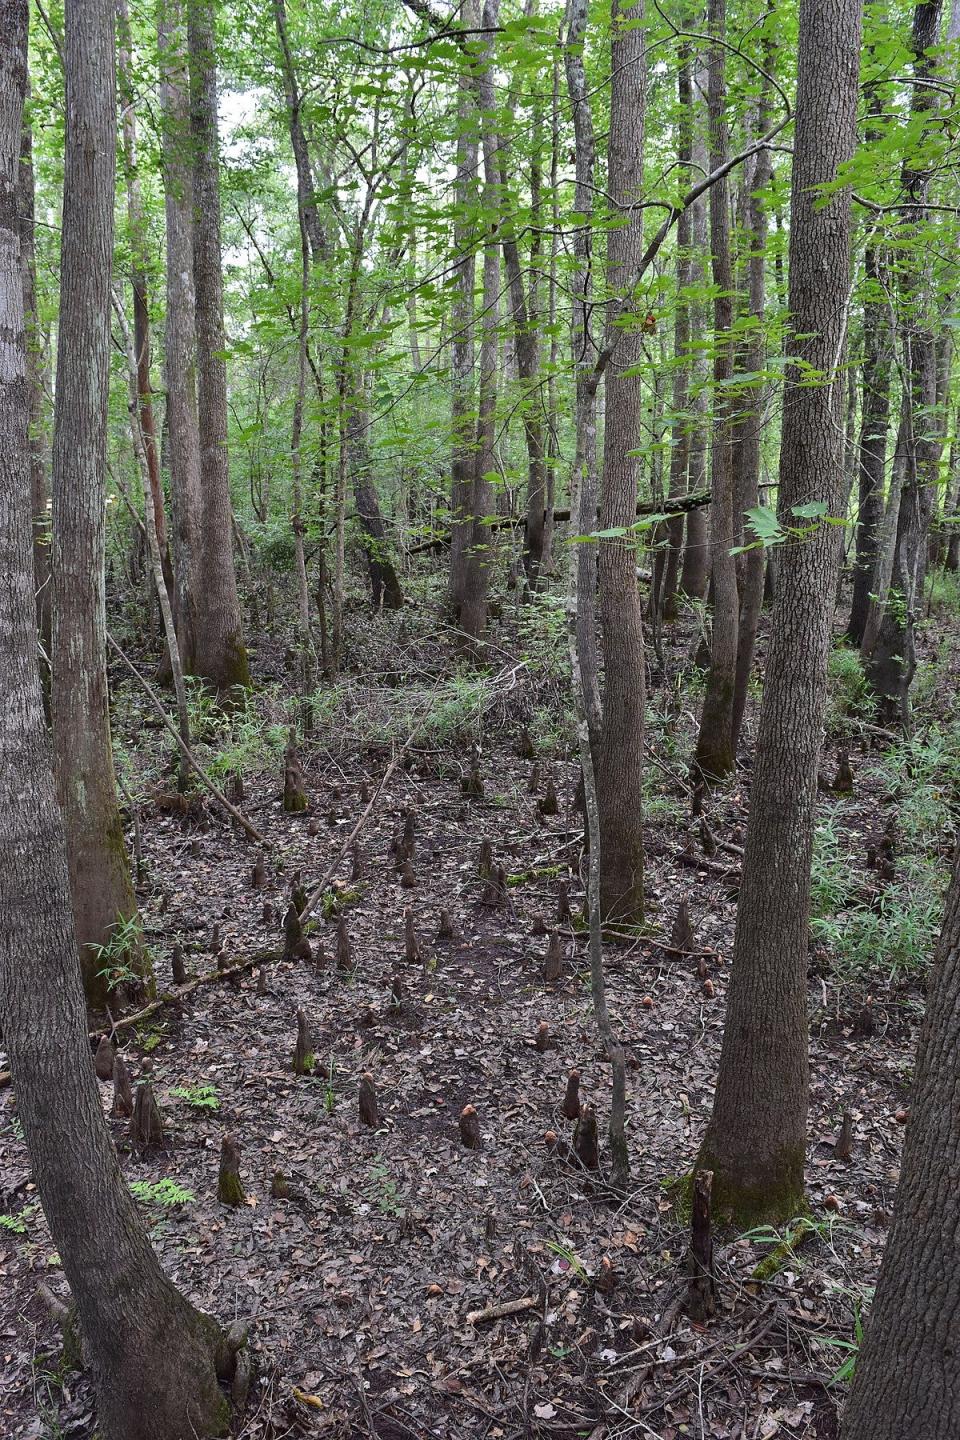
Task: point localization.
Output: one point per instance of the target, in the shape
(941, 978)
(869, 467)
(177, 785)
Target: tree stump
(682, 938)
(229, 1187)
(445, 930)
(344, 948)
(471, 785)
(470, 1128)
(279, 1189)
(258, 875)
(122, 1089)
(707, 841)
(177, 968)
(843, 779)
(548, 804)
(570, 1106)
(298, 896)
(397, 991)
(146, 1124)
(533, 780)
(586, 1140)
(268, 913)
(103, 1060)
(262, 980)
(843, 1149)
(539, 926)
(303, 1049)
(542, 1038)
(408, 879)
(356, 863)
(495, 890)
(564, 913)
(701, 1280)
(411, 945)
(553, 964)
(525, 746)
(369, 1114)
(294, 794)
(485, 859)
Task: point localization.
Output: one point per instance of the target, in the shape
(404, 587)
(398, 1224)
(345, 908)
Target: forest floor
(359, 1286)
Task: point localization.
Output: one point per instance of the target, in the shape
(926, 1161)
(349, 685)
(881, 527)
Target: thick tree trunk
(384, 581)
(906, 1382)
(221, 656)
(180, 337)
(100, 882)
(619, 761)
(715, 757)
(153, 1356)
(755, 1142)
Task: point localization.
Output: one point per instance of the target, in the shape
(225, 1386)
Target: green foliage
(121, 957)
(850, 1347)
(165, 1193)
(15, 1224)
(200, 1097)
(848, 691)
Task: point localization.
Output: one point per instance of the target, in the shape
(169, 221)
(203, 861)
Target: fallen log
(680, 505)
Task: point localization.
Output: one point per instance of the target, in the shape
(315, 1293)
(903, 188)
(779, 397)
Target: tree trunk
(746, 483)
(905, 1383)
(100, 882)
(384, 581)
(461, 320)
(152, 1354)
(892, 661)
(619, 761)
(874, 422)
(715, 757)
(221, 655)
(180, 337)
(755, 1142)
(473, 613)
(696, 554)
(39, 456)
(667, 572)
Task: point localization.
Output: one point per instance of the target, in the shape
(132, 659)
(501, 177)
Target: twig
(188, 753)
(317, 892)
(499, 1312)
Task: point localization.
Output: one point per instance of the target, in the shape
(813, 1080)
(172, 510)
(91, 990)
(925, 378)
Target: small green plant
(568, 1258)
(329, 1098)
(381, 1189)
(848, 691)
(785, 1243)
(200, 1097)
(153, 1037)
(166, 1193)
(121, 954)
(15, 1224)
(850, 1347)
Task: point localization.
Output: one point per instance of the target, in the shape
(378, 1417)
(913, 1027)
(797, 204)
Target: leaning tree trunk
(755, 1142)
(619, 761)
(180, 335)
(153, 1356)
(221, 655)
(906, 1380)
(100, 883)
(715, 757)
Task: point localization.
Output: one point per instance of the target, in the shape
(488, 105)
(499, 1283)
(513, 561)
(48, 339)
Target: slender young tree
(221, 656)
(180, 337)
(715, 757)
(619, 765)
(153, 1356)
(100, 883)
(906, 1381)
(755, 1142)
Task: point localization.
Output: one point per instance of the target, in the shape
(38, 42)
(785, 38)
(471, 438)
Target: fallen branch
(679, 505)
(317, 893)
(157, 703)
(499, 1312)
(168, 997)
